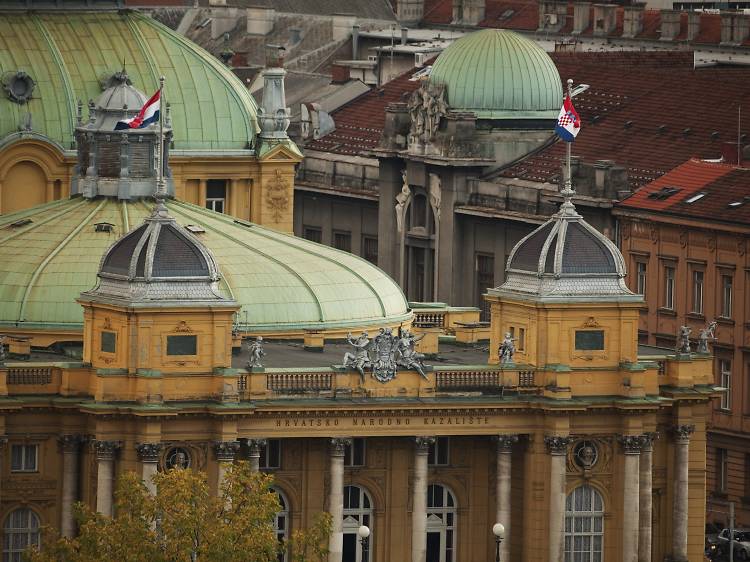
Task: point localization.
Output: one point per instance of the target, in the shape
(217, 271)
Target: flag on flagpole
(148, 114)
(568, 122)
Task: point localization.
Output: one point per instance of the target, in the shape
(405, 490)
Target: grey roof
(566, 259)
(366, 9)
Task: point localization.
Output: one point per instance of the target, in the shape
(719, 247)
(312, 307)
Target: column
(336, 498)
(3, 444)
(419, 500)
(631, 447)
(148, 455)
(70, 447)
(254, 446)
(502, 482)
(224, 452)
(645, 497)
(680, 507)
(557, 446)
(202, 191)
(105, 474)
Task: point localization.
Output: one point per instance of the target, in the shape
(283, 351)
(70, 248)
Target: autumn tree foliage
(184, 522)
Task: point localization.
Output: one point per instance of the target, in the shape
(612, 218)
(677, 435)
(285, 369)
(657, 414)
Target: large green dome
(50, 254)
(498, 74)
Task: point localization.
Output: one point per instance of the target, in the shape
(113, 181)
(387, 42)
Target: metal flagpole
(161, 191)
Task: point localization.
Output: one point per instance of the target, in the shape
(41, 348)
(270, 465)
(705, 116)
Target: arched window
(441, 524)
(357, 512)
(584, 525)
(21, 531)
(281, 522)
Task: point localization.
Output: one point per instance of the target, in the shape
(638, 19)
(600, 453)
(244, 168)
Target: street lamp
(499, 531)
(364, 534)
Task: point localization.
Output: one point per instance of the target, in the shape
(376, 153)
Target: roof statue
(384, 354)
(359, 360)
(507, 349)
(255, 349)
(706, 335)
(683, 340)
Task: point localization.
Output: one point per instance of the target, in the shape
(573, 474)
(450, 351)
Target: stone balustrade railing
(298, 382)
(29, 375)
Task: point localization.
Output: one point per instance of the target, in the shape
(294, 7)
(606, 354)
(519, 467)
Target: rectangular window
(216, 195)
(725, 371)
(485, 275)
(747, 475)
(270, 454)
(23, 458)
(438, 453)
(354, 454)
(640, 280)
(108, 342)
(370, 249)
(342, 240)
(521, 345)
(590, 340)
(182, 345)
(312, 233)
(726, 296)
(698, 277)
(669, 288)
(722, 466)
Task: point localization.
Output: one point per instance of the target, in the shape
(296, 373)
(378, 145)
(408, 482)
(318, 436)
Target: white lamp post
(364, 534)
(499, 531)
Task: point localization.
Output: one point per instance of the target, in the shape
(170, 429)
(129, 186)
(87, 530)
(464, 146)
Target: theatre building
(579, 446)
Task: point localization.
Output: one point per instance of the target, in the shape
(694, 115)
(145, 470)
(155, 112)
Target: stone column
(631, 446)
(148, 455)
(336, 498)
(70, 446)
(645, 498)
(255, 445)
(680, 506)
(557, 446)
(502, 482)
(419, 500)
(225, 452)
(3, 439)
(105, 474)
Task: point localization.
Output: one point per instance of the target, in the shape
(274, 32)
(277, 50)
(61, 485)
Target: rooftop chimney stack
(581, 17)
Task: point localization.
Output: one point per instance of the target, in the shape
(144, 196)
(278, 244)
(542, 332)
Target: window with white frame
(216, 195)
(358, 511)
(441, 524)
(698, 277)
(726, 296)
(281, 523)
(640, 279)
(21, 531)
(23, 458)
(584, 525)
(270, 455)
(438, 454)
(354, 454)
(669, 287)
(725, 372)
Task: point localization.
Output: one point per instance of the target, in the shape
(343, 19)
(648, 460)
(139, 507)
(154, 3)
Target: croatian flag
(568, 122)
(148, 114)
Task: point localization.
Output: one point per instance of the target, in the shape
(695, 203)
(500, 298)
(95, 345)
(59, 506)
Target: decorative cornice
(255, 445)
(682, 432)
(70, 443)
(631, 444)
(105, 450)
(337, 445)
(505, 442)
(148, 452)
(557, 444)
(423, 444)
(226, 450)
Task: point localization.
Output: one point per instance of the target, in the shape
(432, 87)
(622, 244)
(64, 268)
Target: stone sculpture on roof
(427, 106)
(256, 353)
(706, 334)
(507, 349)
(683, 342)
(360, 359)
(409, 358)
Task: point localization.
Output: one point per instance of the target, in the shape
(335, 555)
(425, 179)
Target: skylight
(664, 193)
(696, 197)
(195, 229)
(22, 222)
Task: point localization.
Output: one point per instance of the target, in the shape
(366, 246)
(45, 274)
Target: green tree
(312, 545)
(181, 522)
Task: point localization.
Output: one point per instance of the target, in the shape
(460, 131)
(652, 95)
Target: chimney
(601, 173)
(693, 25)
(670, 25)
(730, 154)
(581, 17)
(605, 19)
(339, 73)
(552, 15)
(260, 20)
(741, 28)
(404, 35)
(273, 114)
(727, 24)
(632, 24)
(355, 42)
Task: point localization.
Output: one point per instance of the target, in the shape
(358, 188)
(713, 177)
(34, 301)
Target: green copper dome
(70, 54)
(498, 74)
(282, 282)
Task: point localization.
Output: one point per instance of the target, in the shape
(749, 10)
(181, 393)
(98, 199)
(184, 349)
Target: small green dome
(498, 74)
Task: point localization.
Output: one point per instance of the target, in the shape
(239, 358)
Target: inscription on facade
(371, 421)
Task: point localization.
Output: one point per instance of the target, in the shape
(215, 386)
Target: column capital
(148, 452)
(70, 443)
(647, 440)
(631, 444)
(226, 450)
(505, 442)
(557, 444)
(105, 450)
(337, 445)
(423, 443)
(3, 441)
(255, 445)
(682, 431)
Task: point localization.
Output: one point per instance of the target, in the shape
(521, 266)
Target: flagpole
(567, 191)
(161, 191)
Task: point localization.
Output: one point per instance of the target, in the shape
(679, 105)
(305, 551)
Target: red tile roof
(438, 11)
(511, 14)
(709, 30)
(720, 184)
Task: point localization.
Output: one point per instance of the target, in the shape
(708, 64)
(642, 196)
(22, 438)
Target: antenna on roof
(739, 127)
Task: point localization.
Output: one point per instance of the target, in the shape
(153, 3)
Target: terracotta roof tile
(511, 14)
(698, 189)
(438, 11)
